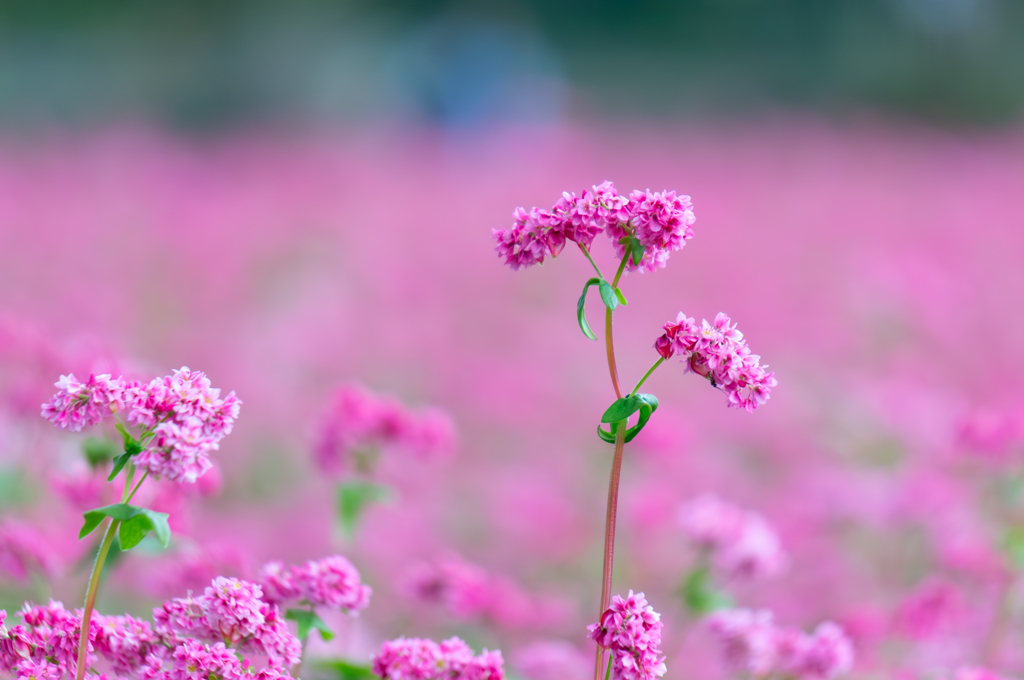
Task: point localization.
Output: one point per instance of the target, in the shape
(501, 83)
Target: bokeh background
(297, 196)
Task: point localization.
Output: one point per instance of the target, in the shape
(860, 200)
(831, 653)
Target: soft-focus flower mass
(875, 491)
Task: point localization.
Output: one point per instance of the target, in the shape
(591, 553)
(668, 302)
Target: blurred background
(298, 196)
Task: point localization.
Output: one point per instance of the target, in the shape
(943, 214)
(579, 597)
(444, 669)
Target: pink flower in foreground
(662, 222)
(330, 582)
(78, 405)
(124, 641)
(534, 236)
(718, 352)
(416, 659)
(631, 630)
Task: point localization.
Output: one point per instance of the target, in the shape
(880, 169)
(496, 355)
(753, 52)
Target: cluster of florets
(752, 642)
(631, 630)
(44, 645)
(360, 422)
(24, 551)
(182, 417)
(660, 221)
(738, 542)
(232, 611)
(468, 591)
(330, 582)
(416, 659)
(718, 352)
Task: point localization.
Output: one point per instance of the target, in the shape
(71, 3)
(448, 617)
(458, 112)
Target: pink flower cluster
(24, 551)
(232, 611)
(452, 659)
(182, 417)
(468, 591)
(631, 630)
(661, 221)
(718, 352)
(330, 582)
(46, 644)
(358, 421)
(739, 542)
(752, 642)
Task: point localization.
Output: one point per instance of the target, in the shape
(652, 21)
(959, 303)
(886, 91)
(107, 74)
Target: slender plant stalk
(97, 571)
(90, 598)
(613, 483)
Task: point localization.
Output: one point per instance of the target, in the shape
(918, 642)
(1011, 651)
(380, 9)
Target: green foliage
(608, 297)
(136, 523)
(700, 594)
(353, 498)
(307, 621)
(345, 670)
(580, 309)
(98, 450)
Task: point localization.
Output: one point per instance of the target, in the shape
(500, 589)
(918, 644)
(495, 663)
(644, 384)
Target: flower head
(717, 351)
(416, 659)
(631, 630)
(78, 405)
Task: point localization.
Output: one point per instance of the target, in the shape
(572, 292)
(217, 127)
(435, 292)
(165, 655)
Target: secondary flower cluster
(753, 643)
(182, 417)
(631, 630)
(468, 591)
(718, 352)
(415, 659)
(232, 611)
(739, 542)
(330, 582)
(660, 221)
(358, 421)
(45, 645)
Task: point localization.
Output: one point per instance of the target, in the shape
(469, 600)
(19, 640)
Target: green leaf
(98, 450)
(119, 464)
(621, 297)
(346, 670)
(622, 409)
(580, 305)
(700, 595)
(353, 498)
(307, 621)
(608, 296)
(136, 523)
(637, 249)
(1013, 546)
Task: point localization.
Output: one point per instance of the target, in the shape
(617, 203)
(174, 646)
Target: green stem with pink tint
(97, 570)
(613, 483)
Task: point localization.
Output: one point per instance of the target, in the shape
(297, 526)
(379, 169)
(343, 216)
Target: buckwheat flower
(334, 583)
(195, 661)
(534, 236)
(56, 632)
(717, 351)
(710, 522)
(278, 583)
(748, 639)
(828, 653)
(124, 641)
(463, 587)
(631, 630)
(188, 419)
(739, 542)
(416, 659)
(274, 639)
(24, 551)
(39, 670)
(15, 644)
(232, 607)
(78, 405)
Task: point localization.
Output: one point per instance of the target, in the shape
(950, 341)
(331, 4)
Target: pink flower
(78, 405)
(534, 236)
(416, 659)
(23, 551)
(359, 421)
(330, 582)
(828, 653)
(718, 352)
(748, 639)
(662, 222)
(124, 641)
(740, 542)
(39, 670)
(631, 630)
(461, 586)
